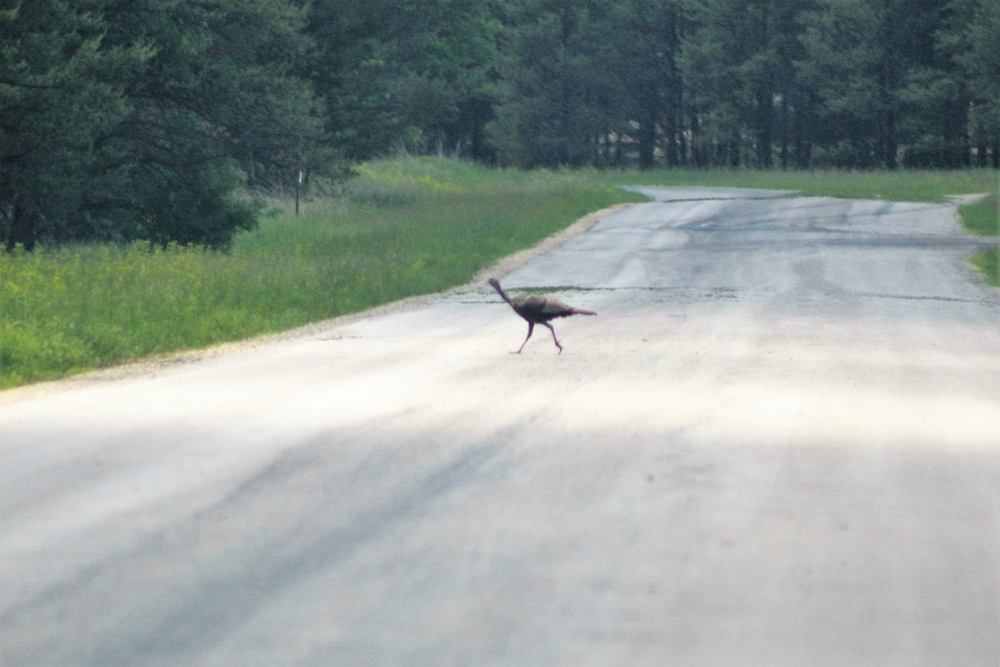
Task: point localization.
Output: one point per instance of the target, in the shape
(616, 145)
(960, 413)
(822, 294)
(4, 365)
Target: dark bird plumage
(538, 309)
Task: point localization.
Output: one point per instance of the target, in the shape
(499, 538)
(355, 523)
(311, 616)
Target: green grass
(931, 186)
(988, 263)
(983, 218)
(403, 227)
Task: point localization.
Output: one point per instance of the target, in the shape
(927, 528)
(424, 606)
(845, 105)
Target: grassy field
(403, 227)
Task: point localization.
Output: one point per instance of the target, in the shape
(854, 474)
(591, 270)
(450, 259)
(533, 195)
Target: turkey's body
(538, 309)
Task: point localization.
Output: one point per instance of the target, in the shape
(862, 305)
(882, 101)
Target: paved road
(778, 444)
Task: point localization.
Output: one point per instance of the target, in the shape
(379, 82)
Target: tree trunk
(647, 142)
(24, 228)
(763, 121)
(784, 132)
(697, 155)
(890, 143)
(670, 139)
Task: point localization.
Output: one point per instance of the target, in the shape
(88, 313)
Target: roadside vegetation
(900, 185)
(983, 217)
(401, 228)
(988, 263)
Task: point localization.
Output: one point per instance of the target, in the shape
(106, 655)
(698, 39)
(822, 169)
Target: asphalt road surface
(778, 444)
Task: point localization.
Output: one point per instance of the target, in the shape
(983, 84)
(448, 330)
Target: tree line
(149, 119)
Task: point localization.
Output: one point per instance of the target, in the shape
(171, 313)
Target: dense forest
(150, 119)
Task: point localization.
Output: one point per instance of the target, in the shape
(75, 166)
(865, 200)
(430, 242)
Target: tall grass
(78, 308)
(403, 227)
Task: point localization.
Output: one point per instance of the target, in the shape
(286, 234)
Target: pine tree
(60, 94)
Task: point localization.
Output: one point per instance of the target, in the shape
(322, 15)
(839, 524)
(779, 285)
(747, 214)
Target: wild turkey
(538, 309)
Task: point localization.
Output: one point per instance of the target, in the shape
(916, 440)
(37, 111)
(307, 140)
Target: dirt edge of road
(149, 365)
